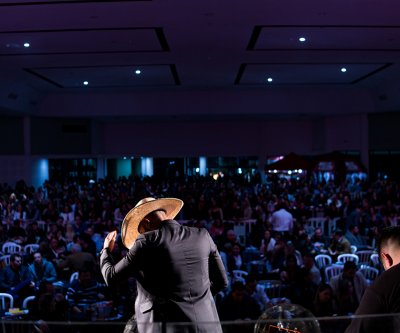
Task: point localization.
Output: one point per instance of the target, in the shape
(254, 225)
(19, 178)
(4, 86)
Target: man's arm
(218, 277)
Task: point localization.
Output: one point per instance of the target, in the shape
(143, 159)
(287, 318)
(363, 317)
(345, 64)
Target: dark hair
(15, 255)
(389, 233)
(349, 265)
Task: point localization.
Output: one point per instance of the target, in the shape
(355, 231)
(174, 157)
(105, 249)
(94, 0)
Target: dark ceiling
(197, 46)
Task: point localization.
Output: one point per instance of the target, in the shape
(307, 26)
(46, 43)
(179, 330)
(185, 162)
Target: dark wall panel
(384, 131)
(58, 136)
(11, 135)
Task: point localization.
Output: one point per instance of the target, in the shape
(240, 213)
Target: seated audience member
(217, 230)
(83, 293)
(16, 279)
(87, 244)
(291, 250)
(235, 260)
(358, 284)
(42, 270)
(35, 235)
(267, 245)
(354, 237)
(309, 263)
(324, 304)
(318, 240)
(257, 292)
(238, 305)
(16, 233)
(290, 272)
(339, 244)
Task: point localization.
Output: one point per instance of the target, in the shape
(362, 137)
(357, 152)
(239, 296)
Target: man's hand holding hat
(109, 241)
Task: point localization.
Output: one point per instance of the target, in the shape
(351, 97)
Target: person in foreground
(177, 269)
(383, 297)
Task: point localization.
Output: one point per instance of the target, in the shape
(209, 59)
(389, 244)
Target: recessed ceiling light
(85, 83)
(270, 79)
(138, 71)
(343, 69)
(27, 44)
(302, 39)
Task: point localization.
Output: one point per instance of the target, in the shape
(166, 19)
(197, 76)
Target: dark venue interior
(241, 109)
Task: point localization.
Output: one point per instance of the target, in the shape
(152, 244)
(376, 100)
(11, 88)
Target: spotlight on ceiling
(27, 44)
(85, 83)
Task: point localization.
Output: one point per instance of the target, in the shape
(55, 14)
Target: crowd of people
(68, 221)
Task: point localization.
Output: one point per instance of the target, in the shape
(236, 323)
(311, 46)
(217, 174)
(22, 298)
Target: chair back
(4, 297)
(27, 300)
(6, 259)
(31, 248)
(353, 249)
(364, 256)
(375, 259)
(11, 247)
(273, 288)
(322, 260)
(370, 273)
(74, 276)
(332, 271)
(348, 257)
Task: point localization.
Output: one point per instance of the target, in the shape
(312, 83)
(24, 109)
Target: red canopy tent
(291, 161)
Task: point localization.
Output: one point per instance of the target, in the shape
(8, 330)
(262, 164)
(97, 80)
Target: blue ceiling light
(138, 72)
(85, 83)
(270, 79)
(27, 44)
(302, 39)
(343, 69)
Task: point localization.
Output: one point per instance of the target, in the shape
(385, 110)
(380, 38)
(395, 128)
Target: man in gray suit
(177, 268)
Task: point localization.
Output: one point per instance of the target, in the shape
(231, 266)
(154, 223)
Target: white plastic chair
(273, 288)
(348, 257)
(74, 276)
(332, 271)
(239, 275)
(6, 259)
(370, 273)
(31, 248)
(27, 300)
(322, 260)
(11, 247)
(375, 259)
(3, 298)
(364, 256)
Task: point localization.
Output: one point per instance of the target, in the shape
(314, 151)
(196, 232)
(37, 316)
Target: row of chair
(7, 301)
(360, 257)
(11, 247)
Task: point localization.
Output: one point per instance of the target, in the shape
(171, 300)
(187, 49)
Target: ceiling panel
(108, 76)
(325, 38)
(305, 73)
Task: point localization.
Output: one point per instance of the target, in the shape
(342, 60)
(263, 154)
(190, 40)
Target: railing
(389, 323)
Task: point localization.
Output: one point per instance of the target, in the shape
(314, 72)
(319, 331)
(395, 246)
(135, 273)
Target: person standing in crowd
(282, 220)
(178, 268)
(383, 297)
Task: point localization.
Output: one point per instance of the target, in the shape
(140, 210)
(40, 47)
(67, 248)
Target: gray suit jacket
(177, 268)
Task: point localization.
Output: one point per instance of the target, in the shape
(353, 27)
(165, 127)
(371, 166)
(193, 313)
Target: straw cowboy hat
(130, 225)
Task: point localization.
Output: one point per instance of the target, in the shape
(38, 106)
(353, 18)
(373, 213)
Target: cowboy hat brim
(130, 224)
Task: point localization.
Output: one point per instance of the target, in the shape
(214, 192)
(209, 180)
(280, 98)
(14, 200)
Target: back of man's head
(390, 237)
